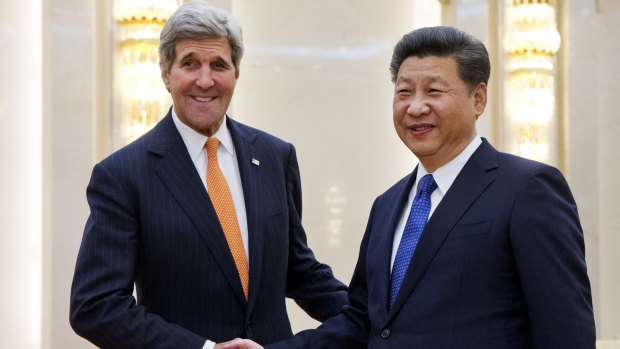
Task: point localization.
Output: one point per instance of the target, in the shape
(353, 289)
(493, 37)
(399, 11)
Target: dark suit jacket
(500, 264)
(152, 223)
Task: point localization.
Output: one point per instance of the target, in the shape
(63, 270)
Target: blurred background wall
(315, 73)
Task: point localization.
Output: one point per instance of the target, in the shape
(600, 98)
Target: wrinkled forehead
(218, 46)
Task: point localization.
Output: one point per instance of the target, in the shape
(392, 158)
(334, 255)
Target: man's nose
(204, 79)
(418, 106)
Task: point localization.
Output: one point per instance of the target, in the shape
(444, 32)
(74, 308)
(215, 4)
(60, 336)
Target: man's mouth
(203, 99)
(421, 128)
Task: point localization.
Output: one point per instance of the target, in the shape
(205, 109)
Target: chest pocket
(470, 230)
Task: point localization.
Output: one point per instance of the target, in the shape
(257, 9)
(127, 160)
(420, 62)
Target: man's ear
(165, 77)
(480, 98)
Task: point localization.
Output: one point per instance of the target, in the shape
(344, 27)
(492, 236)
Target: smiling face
(201, 80)
(434, 110)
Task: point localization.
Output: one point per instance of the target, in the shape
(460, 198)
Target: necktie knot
(427, 184)
(212, 145)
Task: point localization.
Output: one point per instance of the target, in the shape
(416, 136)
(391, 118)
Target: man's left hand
(238, 343)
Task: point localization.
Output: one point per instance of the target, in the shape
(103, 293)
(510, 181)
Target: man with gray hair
(202, 214)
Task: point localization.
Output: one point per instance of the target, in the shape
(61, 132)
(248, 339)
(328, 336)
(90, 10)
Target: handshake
(238, 343)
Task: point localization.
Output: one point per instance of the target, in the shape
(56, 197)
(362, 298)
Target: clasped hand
(238, 343)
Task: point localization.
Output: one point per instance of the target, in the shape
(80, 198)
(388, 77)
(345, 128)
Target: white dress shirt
(227, 160)
(444, 177)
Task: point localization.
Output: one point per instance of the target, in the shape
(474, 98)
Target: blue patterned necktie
(413, 230)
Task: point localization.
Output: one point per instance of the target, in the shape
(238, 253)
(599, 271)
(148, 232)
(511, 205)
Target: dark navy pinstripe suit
(152, 223)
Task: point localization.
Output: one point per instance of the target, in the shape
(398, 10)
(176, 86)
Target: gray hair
(471, 56)
(197, 20)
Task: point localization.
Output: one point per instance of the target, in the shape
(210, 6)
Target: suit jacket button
(385, 334)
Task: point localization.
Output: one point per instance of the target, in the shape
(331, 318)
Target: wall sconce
(141, 99)
(531, 41)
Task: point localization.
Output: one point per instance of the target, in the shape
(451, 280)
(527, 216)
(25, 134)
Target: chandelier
(531, 41)
(142, 98)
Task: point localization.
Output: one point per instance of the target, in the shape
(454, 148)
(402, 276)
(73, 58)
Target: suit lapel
(178, 173)
(247, 152)
(473, 179)
(383, 243)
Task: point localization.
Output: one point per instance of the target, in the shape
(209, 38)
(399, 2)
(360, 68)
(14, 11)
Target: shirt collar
(195, 142)
(446, 174)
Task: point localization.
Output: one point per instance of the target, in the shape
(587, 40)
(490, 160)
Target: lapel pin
(255, 162)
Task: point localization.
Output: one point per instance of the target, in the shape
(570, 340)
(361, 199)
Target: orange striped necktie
(219, 193)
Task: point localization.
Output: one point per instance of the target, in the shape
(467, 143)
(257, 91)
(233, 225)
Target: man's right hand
(238, 343)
